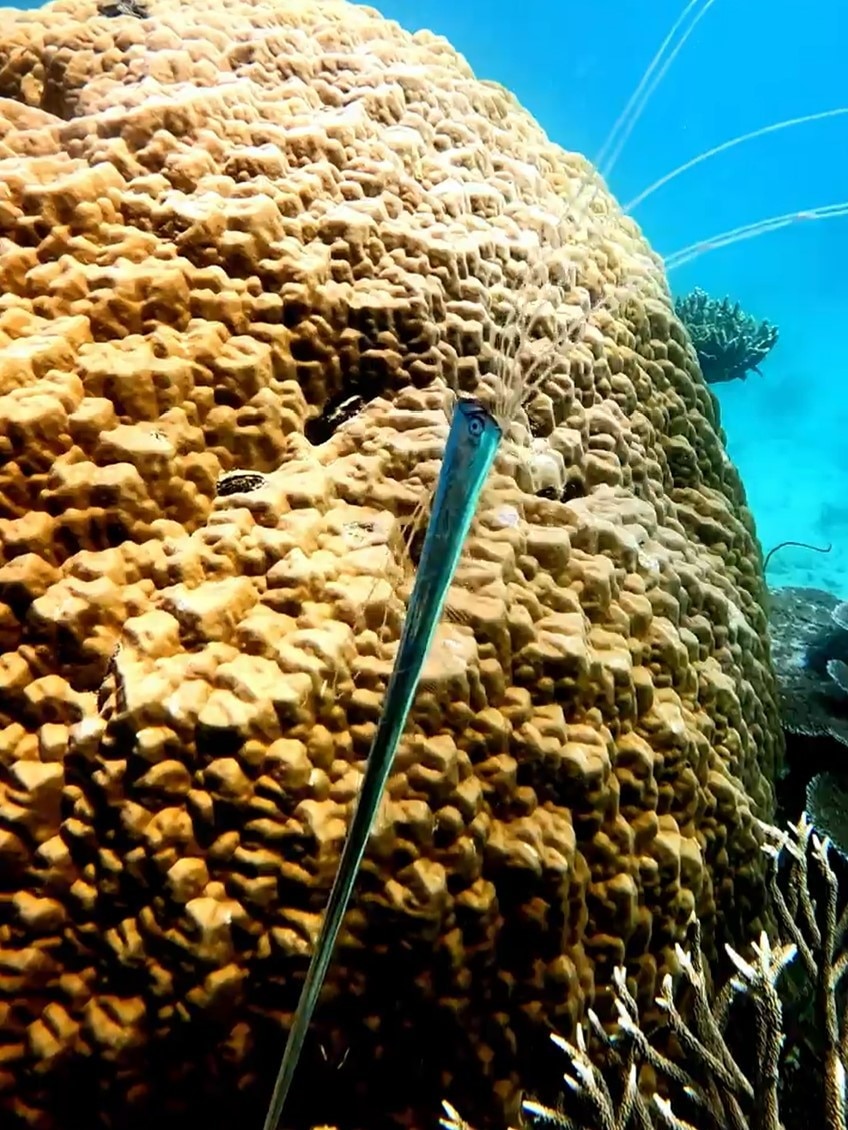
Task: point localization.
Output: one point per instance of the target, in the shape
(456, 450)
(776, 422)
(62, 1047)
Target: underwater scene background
(238, 270)
(745, 66)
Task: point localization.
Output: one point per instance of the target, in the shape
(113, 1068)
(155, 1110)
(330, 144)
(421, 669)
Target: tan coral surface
(218, 225)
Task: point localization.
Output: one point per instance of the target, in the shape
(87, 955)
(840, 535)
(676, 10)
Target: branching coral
(818, 931)
(706, 1080)
(729, 342)
(623, 1082)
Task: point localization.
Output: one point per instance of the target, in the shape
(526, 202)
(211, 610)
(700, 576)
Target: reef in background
(729, 343)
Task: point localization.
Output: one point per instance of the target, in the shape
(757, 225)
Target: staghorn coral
(729, 342)
(709, 1085)
(244, 249)
(622, 1081)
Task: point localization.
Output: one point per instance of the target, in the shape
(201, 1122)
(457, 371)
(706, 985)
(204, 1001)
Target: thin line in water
(725, 145)
(751, 231)
(623, 122)
(626, 122)
(678, 47)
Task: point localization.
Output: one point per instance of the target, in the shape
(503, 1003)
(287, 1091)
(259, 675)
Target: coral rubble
(244, 249)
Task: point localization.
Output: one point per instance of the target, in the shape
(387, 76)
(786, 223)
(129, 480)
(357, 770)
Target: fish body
(471, 447)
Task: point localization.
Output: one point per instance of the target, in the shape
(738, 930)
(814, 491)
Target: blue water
(574, 67)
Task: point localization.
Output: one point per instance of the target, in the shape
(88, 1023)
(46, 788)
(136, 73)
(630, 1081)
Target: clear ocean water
(748, 63)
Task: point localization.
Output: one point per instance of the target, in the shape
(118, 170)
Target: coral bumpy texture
(218, 224)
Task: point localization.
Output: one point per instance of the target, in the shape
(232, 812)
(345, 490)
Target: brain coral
(244, 248)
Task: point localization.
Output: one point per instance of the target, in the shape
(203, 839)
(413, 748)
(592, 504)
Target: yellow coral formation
(217, 224)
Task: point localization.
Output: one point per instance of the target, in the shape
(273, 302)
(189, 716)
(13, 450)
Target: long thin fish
(470, 451)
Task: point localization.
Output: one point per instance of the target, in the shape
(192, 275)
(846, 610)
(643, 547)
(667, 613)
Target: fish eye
(475, 426)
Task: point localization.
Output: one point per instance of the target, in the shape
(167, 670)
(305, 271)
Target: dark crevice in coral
(124, 8)
(337, 411)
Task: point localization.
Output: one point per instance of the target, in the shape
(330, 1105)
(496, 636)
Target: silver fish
(471, 447)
